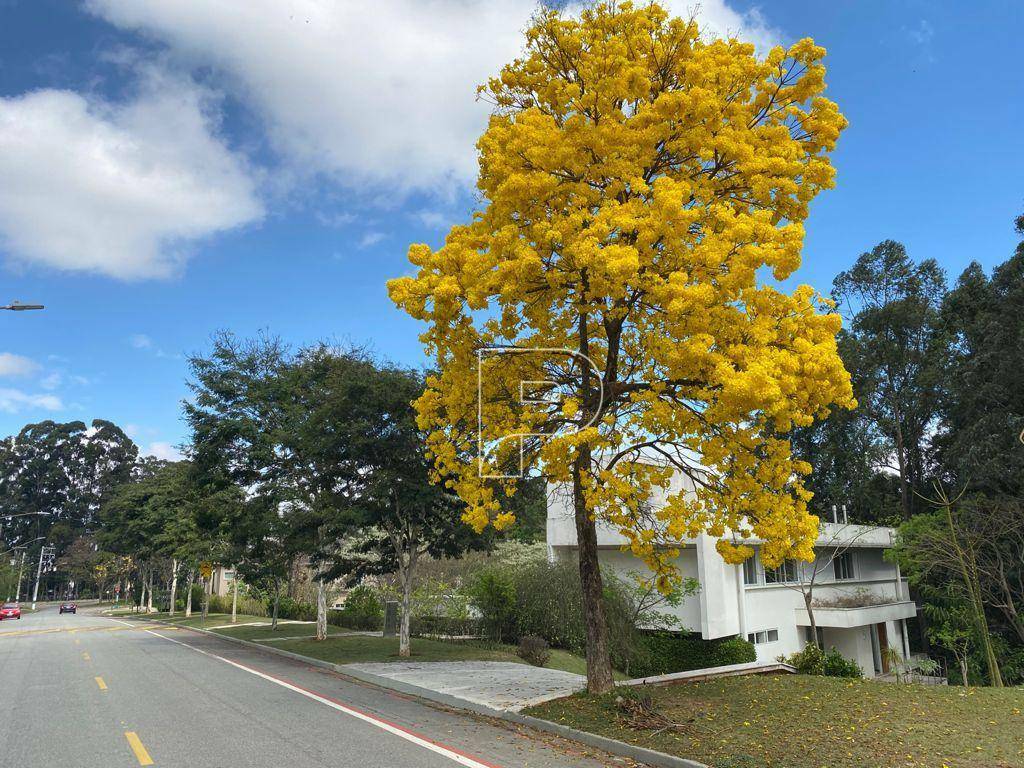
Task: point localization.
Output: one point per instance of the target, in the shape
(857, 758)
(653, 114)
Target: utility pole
(21, 567)
(46, 553)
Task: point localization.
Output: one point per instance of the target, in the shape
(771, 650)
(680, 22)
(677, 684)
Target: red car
(10, 611)
(69, 608)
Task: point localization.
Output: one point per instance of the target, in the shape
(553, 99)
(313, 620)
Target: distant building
(220, 580)
(864, 604)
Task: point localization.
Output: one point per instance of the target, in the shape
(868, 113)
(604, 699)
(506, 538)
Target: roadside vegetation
(803, 721)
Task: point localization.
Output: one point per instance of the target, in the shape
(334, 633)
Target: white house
(860, 602)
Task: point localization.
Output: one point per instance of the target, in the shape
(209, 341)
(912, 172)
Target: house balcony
(845, 606)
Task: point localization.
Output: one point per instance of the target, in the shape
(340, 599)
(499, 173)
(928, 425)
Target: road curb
(612, 746)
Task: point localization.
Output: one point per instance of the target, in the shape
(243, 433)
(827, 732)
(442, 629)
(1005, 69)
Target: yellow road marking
(86, 656)
(140, 751)
(100, 683)
(77, 641)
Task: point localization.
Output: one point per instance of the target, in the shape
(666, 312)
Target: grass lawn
(246, 632)
(797, 721)
(360, 648)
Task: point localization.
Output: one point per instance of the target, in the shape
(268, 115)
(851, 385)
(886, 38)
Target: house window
(750, 570)
(784, 574)
(843, 565)
(764, 636)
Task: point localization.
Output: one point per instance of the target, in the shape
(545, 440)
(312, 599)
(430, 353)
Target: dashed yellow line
(100, 683)
(86, 656)
(140, 751)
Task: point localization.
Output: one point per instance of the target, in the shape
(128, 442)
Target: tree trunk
(404, 645)
(969, 573)
(234, 595)
(142, 589)
(149, 593)
(188, 592)
(902, 461)
(808, 603)
(599, 665)
(206, 597)
(174, 586)
(321, 610)
(962, 661)
(277, 601)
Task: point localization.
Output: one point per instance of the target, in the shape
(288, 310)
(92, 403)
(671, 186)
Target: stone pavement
(502, 685)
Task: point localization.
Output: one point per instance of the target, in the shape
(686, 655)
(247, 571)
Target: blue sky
(173, 167)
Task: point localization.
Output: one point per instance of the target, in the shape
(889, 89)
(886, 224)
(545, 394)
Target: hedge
(669, 652)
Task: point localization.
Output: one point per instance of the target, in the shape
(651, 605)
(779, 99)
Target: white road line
(451, 753)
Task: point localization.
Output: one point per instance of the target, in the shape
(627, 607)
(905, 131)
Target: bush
(668, 652)
(445, 626)
(493, 593)
(292, 609)
(246, 605)
(809, 661)
(837, 665)
(546, 600)
(812, 660)
(363, 610)
(534, 650)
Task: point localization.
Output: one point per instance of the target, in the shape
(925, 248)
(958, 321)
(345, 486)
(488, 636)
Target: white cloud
(140, 341)
(15, 401)
(162, 450)
(51, 380)
(434, 219)
(16, 365)
(123, 190)
(378, 95)
(371, 238)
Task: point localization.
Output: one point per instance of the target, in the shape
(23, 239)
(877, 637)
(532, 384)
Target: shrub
(445, 626)
(534, 650)
(549, 604)
(837, 665)
(733, 650)
(809, 661)
(293, 609)
(246, 605)
(363, 610)
(812, 660)
(669, 652)
(493, 593)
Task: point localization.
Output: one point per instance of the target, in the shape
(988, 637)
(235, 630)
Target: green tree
(983, 407)
(943, 551)
(893, 340)
(392, 514)
(848, 455)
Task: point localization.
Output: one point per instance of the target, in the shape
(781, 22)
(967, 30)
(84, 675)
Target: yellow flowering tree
(636, 178)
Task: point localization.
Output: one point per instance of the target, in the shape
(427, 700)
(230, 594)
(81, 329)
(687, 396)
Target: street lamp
(17, 306)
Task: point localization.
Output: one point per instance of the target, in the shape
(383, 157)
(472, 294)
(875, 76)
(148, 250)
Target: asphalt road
(88, 691)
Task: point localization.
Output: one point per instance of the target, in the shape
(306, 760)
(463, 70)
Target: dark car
(10, 611)
(69, 608)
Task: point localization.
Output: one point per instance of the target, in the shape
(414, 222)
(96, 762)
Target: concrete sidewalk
(501, 685)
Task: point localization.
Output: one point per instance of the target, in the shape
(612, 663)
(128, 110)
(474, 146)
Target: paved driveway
(502, 685)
